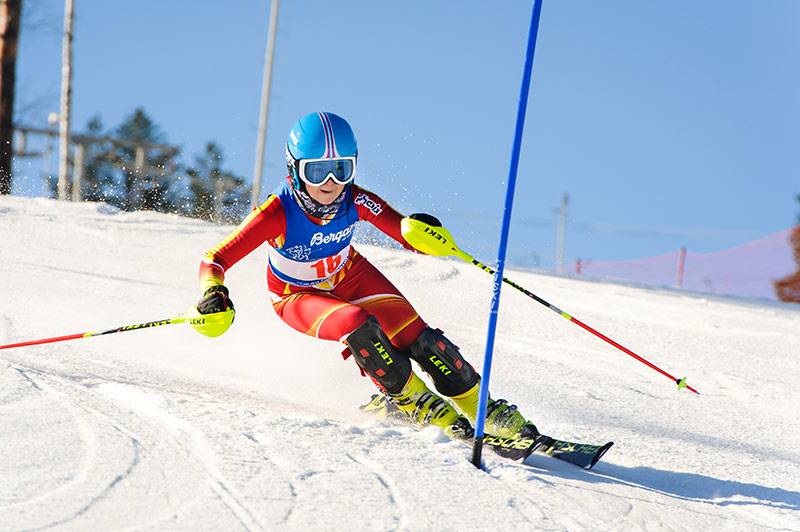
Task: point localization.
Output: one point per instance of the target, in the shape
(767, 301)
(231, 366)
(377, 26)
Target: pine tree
(148, 186)
(99, 181)
(216, 194)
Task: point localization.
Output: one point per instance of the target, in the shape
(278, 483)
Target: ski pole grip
(428, 238)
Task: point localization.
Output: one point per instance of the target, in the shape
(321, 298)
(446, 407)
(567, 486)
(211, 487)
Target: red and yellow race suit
(319, 284)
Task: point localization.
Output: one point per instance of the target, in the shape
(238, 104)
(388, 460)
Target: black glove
(215, 299)
(429, 219)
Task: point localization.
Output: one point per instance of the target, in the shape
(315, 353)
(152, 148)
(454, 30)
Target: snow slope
(259, 429)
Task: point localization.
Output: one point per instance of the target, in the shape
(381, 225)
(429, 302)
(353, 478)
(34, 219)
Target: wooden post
(134, 192)
(78, 167)
(66, 101)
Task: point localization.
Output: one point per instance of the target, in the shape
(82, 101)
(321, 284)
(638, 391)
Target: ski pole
(169, 321)
(436, 240)
(680, 382)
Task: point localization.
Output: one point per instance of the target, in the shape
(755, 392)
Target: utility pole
(66, 101)
(78, 167)
(561, 231)
(10, 13)
(266, 86)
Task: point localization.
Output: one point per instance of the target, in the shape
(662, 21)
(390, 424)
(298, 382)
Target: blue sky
(668, 123)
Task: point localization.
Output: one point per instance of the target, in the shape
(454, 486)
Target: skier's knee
(348, 318)
(441, 359)
(376, 355)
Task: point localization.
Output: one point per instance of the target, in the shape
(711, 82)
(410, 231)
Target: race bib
(307, 273)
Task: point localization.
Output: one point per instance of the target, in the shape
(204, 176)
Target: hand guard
(213, 314)
(425, 233)
(429, 219)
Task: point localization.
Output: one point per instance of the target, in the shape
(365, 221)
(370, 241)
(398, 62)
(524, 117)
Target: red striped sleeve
(265, 223)
(373, 209)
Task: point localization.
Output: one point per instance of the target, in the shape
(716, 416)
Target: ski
(583, 455)
(580, 454)
(516, 449)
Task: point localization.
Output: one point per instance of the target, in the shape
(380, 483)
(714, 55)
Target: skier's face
(326, 193)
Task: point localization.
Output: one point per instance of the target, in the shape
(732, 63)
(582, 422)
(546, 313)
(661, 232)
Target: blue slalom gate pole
(483, 398)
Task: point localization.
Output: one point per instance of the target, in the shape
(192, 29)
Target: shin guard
(441, 359)
(379, 359)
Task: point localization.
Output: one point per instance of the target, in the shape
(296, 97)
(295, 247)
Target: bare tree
(10, 12)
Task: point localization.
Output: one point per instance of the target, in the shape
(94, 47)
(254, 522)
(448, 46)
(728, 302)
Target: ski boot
(422, 406)
(417, 404)
(502, 419)
(461, 429)
(380, 407)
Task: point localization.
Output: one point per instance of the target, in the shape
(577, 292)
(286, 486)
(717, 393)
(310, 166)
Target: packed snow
(260, 429)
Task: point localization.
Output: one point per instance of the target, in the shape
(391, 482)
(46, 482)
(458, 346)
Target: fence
(749, 270)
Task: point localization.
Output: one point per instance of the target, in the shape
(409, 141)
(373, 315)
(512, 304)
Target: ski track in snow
(163, 429)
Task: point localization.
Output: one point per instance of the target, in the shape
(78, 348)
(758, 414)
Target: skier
(321, 286)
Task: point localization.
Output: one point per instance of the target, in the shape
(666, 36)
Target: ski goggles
(316, 171)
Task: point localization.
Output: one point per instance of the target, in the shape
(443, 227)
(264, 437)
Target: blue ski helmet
(319, 135)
